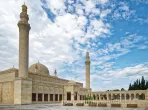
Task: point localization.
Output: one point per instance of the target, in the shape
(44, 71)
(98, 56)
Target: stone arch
(122, 96)
(132, 96)
(137, 96)
(109, 97)
(142, 96)
(127, 96)
(104, 96)
(98, 97)
(118, 96)
(101, 96)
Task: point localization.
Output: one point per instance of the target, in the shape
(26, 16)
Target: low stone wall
(80, 104)
(92, 104)
(68, 104)
(122, 104)
(115, 105)
(131, 105)
(102, 105)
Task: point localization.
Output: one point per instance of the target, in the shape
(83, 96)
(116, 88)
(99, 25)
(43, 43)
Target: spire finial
(24, 8)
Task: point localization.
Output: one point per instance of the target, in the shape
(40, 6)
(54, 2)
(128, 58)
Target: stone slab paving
(59, 107)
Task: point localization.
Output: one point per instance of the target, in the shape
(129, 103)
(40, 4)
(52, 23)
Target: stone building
(34, 84)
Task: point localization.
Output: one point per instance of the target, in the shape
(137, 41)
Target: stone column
(72, 96)
(36, 97)
(65, 96)
(146, 94)
(134, 95)
(87, 66)
(78, 96)
(58, 97)
(42, 97)
(129, 96)
(107, 96)
(53, 97)
(48, 97)
(24, 28)
(111, 96)
(120, 96)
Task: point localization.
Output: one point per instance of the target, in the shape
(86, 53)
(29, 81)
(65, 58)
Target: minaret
(87, 67)
(24, 28)
(55, 73)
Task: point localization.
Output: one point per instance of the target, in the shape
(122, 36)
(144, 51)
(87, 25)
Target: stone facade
(36, 85)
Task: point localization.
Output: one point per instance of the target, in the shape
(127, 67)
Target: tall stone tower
(23, 84)
(24, 28)
(87, 67)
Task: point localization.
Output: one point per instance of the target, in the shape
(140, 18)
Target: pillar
(43, 97)
(146, 94)
(72, 96)
(36, 97)
(111, 96)
(134, 95)
(130, 96)
(24, 28)
(23, 84)
(107, 96)
(48, 97)
(53, 97)
(120, 96)
(78, 96)
(58, 97)
(87, 65)
(99, 97)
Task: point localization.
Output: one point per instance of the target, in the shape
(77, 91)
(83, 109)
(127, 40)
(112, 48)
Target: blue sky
(115, 32)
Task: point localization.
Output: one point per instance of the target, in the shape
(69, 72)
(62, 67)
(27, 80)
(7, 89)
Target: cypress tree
(147, 85)
(142, 83)
(139, 85)
(130, 87)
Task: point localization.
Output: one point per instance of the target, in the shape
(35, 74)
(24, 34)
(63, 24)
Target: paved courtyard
(58, 107)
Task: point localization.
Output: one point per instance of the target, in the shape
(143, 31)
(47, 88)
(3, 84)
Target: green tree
(142, 83)
(122, 89)
(130, 87)
(94, 97)
(139, 84)
(147, 85)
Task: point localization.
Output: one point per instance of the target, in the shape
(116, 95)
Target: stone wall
(7, 93)
(7, 76)
(42, 84)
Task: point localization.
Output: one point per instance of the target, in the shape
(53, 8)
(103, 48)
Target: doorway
(68, 95)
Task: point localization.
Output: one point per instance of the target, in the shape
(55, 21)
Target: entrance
(56, 97)
(33, 96)
(68, 95)
(39, 97)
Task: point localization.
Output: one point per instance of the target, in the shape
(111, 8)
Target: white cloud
(123, 12)
(105, 13)
(47, 37)
(53, 43)
(103, 1)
